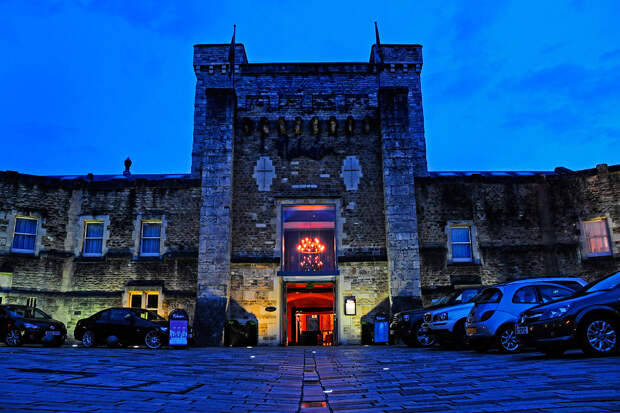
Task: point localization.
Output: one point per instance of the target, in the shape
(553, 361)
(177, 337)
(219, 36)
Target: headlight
(163, 329)
(556, 312)
(31, 326)
(406, 317)
(442, 316)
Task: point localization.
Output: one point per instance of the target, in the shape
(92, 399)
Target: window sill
(22, 252)
(86, 258)
(598, 257)
(308, 274)
(473, 263)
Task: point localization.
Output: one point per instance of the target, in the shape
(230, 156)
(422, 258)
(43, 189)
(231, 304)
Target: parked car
(447, 324)
(588, 319)
(20, 324)
(496, 309)
(407, 325)
(123, 326)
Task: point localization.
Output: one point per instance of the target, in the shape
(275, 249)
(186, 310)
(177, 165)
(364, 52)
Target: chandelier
(309, 250)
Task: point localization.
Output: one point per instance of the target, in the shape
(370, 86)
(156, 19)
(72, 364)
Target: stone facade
(276, 135)
(70, 285)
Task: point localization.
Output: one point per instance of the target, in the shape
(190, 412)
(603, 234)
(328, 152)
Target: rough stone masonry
(345, 136)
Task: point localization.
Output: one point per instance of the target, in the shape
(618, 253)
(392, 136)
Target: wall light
(349, 306)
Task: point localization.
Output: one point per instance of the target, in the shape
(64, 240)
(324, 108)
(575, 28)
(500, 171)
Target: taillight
(487, 315)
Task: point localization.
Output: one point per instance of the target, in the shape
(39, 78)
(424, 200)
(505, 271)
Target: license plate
(52, 333)
(471, 331)
(522, 330)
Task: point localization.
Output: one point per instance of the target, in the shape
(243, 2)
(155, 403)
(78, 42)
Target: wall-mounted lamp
(349, 306)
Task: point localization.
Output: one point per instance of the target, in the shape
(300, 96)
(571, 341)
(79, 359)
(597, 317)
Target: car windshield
(148, 315)
(607, 283)
(446, 299)
(490, 295)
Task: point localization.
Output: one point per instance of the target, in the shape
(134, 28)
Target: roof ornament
(128, 162)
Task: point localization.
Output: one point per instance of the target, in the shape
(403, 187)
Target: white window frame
(142, 237)
(470, 243)
(15, 233)
(84, 238)
(607, 235)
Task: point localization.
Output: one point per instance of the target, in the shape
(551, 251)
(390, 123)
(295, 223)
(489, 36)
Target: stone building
(309, 209)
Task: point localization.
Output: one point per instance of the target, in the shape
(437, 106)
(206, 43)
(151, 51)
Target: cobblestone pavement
(367, 379)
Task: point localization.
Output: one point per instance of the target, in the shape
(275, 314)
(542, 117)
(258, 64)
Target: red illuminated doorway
(310, 314)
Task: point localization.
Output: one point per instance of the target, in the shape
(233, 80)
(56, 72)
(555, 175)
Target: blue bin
(382, 330)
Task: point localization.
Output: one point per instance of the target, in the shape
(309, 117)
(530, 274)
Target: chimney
(127, 166)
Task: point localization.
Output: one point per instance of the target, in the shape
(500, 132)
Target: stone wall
(524, 226)
(70, 286)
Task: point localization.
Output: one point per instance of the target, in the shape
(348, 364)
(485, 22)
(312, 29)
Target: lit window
(151, 238)
(596, 237)
(309, 239)
(25, 234)
(93, 239)
(460, 242)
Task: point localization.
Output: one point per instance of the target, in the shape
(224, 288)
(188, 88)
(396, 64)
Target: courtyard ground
(270, 379)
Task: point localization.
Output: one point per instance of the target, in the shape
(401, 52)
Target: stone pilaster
(401, 162)
(215, 216)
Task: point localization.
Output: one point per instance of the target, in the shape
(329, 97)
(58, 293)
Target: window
(525, 295)
(488, 296)
(460, 242)
(152, 301)
(118, 314)
(148, 300)
(550, 293)
(136, 301)
(309, 239)
(151, 238)
(93, 239)
(25, 234)
(596, 237)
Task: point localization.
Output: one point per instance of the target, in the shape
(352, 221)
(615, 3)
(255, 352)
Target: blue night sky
(515, 85)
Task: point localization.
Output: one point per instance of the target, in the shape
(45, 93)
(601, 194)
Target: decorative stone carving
(298, 126)
(351, 172)
(350, 126)
(367, 125)
(333, 126)
(281, 126)
(264, 127)
(315, 128)
(264, 173)
(246, 126)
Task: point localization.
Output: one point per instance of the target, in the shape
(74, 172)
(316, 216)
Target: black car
(407, 325)
(123, 326)
(20, 325)
(589, 319)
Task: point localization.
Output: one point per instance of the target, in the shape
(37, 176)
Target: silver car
(447, 324)
(496, 309)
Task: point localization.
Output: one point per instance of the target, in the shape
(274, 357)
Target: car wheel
(507, 340)
(422, 338)
(13, 338)
(152, 339)
(88, 339)
(599, 336)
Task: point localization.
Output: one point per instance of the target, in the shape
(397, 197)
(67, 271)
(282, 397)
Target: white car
(447, 324)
